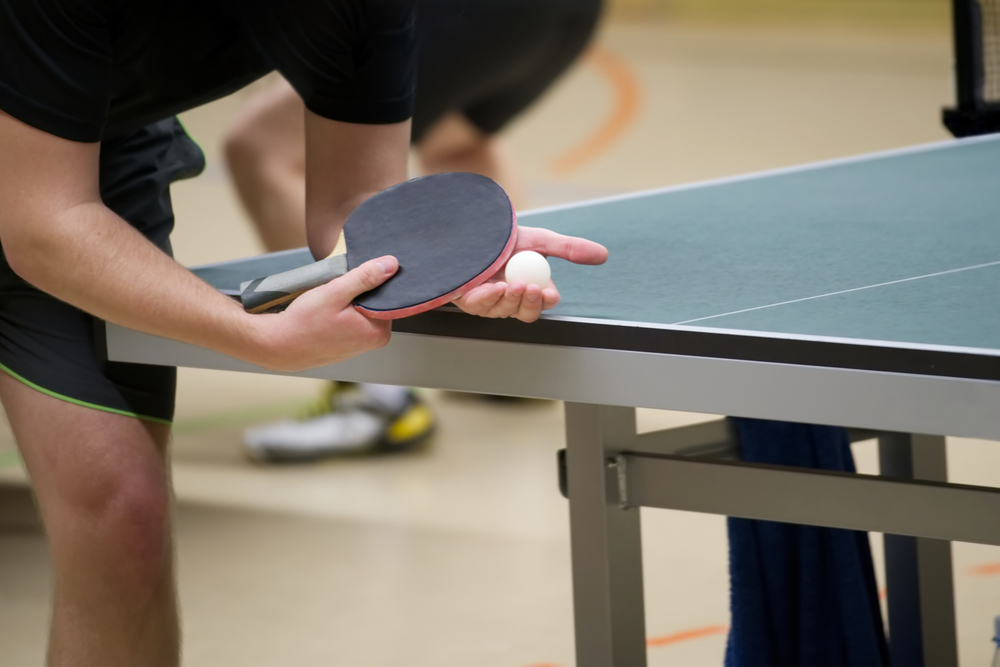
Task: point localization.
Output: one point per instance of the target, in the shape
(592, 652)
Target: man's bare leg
(103, 488)
(455, 144)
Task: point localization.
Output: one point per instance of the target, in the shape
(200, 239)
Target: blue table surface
(901, 247)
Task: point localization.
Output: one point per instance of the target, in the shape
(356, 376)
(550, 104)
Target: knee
(138, 521)
(122, 519)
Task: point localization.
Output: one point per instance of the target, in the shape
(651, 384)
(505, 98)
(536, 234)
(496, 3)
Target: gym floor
(458, 554)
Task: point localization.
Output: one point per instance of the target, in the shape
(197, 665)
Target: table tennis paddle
(449, 232)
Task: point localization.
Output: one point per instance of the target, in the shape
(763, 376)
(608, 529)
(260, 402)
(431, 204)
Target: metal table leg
(918, 570)
(606, 540)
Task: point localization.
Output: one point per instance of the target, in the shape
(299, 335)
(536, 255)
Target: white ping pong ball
(529, 268)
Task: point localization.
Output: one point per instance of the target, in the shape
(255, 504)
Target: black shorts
(49, 344)
(490, 59)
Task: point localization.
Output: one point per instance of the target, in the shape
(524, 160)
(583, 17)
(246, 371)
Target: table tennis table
(859, 292)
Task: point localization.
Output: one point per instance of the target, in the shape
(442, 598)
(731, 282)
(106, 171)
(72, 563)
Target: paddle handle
(263, 294)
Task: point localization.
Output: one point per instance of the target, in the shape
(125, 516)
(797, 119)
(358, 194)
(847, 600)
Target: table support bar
(606, 541)
(820, 498)
(918, 570)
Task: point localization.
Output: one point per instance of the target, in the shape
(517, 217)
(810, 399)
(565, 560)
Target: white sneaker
(348, 419)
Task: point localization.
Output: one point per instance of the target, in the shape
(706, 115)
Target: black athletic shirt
(88, 69)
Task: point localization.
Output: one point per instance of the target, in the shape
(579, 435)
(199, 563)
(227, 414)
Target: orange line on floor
(676, 638)
(985, 569)
(685, 635)
(626, 105)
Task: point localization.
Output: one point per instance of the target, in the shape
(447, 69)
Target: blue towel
(800, 595)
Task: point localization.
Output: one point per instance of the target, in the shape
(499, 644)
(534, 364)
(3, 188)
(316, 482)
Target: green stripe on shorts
(85, 404)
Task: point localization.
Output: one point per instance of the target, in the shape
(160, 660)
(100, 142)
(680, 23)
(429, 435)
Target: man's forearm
(92, 259)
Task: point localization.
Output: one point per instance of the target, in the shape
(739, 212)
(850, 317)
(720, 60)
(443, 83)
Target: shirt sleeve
(350, 60)
(55, 66)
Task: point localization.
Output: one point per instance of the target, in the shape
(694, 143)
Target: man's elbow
(23, 251)
(34, 245)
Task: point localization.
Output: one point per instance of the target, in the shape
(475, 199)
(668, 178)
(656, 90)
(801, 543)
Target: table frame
(612, 470)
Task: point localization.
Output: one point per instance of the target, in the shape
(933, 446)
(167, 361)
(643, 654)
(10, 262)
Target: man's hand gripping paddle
(449, 232)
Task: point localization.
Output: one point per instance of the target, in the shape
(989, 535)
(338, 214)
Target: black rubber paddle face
(448, 231)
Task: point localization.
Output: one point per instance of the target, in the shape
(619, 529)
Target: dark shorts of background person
(49, 344)
(490, 59)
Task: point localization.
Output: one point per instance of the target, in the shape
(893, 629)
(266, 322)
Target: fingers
(483, 300)
(317, 329)
(577, 250)
(500, 300)
(380, 331)
(551, 244)
(530, 307)
(366, 277)
(510, 305)
(535, 301)
(550, 297)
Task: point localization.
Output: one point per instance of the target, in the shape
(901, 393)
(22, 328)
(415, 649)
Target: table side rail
(817, 395)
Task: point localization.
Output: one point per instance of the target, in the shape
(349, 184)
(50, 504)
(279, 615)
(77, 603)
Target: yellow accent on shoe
(326, 402)
(415, 423)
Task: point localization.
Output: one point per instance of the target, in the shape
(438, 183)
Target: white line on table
(853, 289)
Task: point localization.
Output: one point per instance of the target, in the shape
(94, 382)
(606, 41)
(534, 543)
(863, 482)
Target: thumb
(366, 277)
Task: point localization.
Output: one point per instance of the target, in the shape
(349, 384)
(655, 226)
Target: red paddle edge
(488, 273)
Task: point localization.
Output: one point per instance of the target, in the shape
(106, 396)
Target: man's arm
(346, 163)
(266, 155)
(59, 236)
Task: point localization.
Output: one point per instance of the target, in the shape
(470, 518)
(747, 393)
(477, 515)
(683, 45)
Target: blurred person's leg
(481, 66)
(454, 144)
